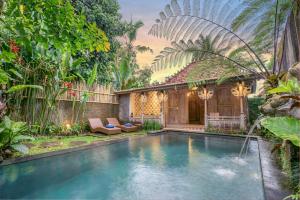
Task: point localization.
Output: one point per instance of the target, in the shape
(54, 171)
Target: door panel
(196, 109)
(173, 107)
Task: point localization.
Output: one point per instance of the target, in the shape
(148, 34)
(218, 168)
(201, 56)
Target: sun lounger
(124, 128)
(96, 125)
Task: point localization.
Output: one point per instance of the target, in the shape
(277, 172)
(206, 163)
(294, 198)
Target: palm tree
(122, 72)
(131, 35)
(125, 66)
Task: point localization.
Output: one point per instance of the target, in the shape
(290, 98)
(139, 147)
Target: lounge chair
(96, 125)
(124, 128)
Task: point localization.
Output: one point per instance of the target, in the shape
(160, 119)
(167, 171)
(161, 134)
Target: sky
(147, 11)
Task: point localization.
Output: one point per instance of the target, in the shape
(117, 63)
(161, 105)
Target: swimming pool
(167, 167)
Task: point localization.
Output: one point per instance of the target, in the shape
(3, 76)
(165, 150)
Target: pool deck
(271, 174)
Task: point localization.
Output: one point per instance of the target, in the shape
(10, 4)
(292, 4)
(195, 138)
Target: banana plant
(286, 128)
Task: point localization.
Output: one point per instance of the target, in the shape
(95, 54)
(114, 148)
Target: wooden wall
(177, 107)
(222, 102)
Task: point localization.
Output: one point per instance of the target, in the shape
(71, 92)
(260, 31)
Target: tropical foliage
(290, 86)
(287, 128)
(259, 15)
(188, 23)
(42, 45)
(11, 135)
(106, 14)
(230, 26)
(151, 125)
(181, 53)
(126, 72)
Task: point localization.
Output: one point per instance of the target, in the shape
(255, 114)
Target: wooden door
(173, 101)
(196, 109)
(225, 101)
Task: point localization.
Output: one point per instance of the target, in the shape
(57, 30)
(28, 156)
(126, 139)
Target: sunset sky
(147, 11)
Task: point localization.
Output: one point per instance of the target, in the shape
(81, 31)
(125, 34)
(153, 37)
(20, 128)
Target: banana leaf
(286, 128)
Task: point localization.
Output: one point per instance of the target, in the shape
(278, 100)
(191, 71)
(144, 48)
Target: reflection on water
(165, 167)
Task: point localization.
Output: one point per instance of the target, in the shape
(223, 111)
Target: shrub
(76, 129)
(54, 129)
(151, 125)
(11, 135)
(253, 107)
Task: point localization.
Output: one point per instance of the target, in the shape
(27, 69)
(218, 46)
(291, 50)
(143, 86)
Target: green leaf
(7, 122)
(80, 77)
(23, 137)
(291, 86)
(16, 73)
(93, 76)
(3, 77)
(17, 88)
(77, 62)
(286, 128)
(20, 148)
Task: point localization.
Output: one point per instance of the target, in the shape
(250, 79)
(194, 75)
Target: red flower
(72, 93)
(68, 85)
(14, 47)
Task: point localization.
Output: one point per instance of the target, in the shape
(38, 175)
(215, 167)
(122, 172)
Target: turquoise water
(166, 167)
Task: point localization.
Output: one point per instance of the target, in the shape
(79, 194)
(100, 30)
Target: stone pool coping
(271, 175)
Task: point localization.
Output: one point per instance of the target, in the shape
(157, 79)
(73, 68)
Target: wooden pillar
(162, 112)
(205, 113)
(142, 112)
(242, 116)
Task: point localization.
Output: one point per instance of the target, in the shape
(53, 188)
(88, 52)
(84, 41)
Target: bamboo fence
(97, 93)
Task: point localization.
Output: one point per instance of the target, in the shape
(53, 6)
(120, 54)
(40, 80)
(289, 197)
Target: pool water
(165, 167)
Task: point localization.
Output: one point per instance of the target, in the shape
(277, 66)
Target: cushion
(128, 125)
(110, 126)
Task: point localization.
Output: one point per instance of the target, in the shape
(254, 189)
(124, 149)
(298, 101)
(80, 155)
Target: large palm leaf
(182, 53)
(260, 14)
(199, 17)
(187, 23)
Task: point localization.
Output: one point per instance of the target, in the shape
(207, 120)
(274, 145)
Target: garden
(58, 51)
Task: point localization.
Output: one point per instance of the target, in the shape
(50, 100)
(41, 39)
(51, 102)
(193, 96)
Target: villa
(100, 100)
(192, 99)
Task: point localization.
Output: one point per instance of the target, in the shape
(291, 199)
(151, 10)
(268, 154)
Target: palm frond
(181, 53)
(183, 24)
(196, 7)
(175, 7)
(186, 7)
(192, 19)
(261, 14)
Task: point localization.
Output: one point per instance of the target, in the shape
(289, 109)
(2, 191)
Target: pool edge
(271, 175)
(63, 151)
